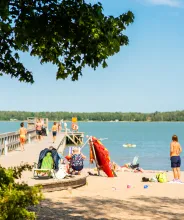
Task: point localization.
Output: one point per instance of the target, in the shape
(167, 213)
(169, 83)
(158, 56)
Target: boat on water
(129, 145)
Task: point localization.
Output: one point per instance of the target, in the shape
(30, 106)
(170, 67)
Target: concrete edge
(63, 184)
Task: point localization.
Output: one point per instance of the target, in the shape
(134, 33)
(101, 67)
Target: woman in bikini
(23, 132)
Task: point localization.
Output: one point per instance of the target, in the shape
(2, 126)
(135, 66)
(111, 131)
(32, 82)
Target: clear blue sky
(146, 76)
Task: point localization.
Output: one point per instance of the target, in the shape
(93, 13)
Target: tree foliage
(96, 116)
(68, 33)
(16, 197)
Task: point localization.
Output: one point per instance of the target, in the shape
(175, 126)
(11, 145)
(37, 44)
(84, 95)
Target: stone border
(64, 184)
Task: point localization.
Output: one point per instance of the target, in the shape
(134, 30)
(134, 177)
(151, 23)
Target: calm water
(152, 140)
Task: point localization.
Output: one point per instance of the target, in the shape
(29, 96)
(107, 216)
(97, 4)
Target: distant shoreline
(103, 121)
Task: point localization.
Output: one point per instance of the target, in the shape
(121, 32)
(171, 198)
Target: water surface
(152, 140)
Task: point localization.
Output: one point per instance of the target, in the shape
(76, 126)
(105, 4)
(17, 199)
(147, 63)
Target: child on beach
(54, 131)
(175, 150)
(23, 132)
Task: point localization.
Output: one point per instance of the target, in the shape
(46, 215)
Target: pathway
(31, 152)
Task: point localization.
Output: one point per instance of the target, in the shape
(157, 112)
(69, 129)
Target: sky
(145, 76)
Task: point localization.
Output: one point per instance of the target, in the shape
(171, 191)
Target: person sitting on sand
(175, 150)
(76, 161)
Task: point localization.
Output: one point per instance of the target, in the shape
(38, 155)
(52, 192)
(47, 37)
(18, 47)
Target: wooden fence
(11, 140)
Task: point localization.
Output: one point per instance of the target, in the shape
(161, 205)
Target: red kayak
(103, 157)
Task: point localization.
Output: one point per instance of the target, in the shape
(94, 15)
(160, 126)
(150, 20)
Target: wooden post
(96, 162)
(29, 138)
(1, 150)
(5, 147)
(71, 139)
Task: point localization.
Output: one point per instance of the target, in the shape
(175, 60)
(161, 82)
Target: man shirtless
(23, 132)
(39, 129)
(175, 150)
(54, 131)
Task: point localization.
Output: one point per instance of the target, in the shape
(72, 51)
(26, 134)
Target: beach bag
(59, 174)
(153, 179)
(161, 177)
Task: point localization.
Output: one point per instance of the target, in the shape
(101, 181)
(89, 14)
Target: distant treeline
(96, 116)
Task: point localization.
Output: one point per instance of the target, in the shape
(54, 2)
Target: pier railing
(11, 140)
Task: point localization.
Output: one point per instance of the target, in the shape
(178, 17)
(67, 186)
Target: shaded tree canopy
(67, 33)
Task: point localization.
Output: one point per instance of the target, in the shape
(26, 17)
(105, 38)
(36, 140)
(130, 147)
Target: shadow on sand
(104, 208)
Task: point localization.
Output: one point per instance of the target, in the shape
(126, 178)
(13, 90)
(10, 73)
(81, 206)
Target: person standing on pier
(38, 129)
(59, 126)
(23, 132)
(54, 131)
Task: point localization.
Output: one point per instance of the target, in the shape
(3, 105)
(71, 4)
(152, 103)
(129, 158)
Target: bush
(16, 197)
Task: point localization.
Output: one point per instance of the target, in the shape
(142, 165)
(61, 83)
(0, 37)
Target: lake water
(152, 140)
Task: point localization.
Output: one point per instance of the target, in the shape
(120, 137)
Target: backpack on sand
(161, 177)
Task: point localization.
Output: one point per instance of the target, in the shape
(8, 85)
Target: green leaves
(16, 197)
(68, 33)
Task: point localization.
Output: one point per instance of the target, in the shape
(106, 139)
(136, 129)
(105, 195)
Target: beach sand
(109, 198)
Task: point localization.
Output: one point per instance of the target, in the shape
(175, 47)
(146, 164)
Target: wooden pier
(11, 155)
(11, 141)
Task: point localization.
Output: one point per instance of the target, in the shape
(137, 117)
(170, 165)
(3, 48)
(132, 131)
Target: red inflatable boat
(102, 155)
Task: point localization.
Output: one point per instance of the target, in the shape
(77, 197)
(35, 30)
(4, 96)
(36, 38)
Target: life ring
(75, 127)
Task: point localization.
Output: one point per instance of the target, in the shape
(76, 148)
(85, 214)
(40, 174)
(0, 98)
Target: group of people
(40, 131)
(76, 159)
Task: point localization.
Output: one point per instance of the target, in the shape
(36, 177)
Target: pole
(85, 143)
(29, 138)
(96, 162)
(5, 147)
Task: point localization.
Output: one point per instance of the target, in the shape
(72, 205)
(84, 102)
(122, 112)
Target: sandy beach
(109, 198)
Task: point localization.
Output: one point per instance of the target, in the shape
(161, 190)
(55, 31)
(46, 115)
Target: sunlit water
(152, 140)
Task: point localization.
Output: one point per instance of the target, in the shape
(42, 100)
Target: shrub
(16, 197)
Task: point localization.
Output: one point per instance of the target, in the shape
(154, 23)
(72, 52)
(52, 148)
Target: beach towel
(56, 158)
(41, 156)
(54, 154)
(47, 162)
